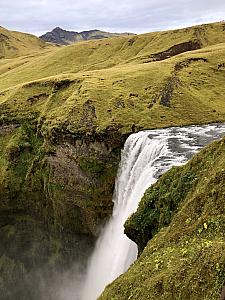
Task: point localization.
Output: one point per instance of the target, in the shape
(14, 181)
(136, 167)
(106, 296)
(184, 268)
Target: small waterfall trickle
(146, 155)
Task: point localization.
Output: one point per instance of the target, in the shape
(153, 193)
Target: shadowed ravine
(145, 157)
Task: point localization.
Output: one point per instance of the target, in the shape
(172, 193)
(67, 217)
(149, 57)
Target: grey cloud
(118, 15)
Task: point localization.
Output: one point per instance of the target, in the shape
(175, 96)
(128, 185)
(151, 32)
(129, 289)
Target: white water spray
(146, 155)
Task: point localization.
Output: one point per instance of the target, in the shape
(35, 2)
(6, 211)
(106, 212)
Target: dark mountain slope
(64, 37)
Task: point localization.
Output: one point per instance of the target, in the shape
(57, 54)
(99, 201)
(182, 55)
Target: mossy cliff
(64, 116)
(179, 228)
(53, 198)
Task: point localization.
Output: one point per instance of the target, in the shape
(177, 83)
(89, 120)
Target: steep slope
(65, 37)
(14, 44)
(183, 216)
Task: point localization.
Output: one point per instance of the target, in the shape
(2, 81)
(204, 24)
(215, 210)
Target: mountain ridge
(66, 37)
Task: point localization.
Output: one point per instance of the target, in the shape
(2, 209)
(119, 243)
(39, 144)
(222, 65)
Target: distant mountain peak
(57, 29)
(65, 37)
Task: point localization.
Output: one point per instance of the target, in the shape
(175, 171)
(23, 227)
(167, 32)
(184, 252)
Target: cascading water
(146, 155)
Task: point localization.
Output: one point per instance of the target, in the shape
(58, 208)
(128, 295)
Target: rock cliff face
(53, 198)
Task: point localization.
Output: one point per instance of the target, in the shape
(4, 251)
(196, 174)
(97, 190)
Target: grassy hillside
(118, 51)
(14, 44)
(138, 82)
(183, 217)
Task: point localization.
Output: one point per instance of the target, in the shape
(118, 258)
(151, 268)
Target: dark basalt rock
(167, 92)
(184, 64)
(174, 50)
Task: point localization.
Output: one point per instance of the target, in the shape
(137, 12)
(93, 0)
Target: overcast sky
(39, 16)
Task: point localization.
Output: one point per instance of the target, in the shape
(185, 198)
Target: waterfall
(145, 156)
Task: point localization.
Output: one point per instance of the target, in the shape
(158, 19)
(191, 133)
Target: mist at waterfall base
(146, 155)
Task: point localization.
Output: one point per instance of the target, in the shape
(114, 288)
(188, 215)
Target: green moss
(159, 205)
(91, 165)
(20, 152)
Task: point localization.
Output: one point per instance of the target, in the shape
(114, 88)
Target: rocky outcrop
(172, 51)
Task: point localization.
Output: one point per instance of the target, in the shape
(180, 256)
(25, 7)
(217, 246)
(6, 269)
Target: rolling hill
(154, 79)
(15, 44)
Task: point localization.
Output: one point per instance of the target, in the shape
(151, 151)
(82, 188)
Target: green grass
(19, 150)
(183, 216)
(102, 54)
